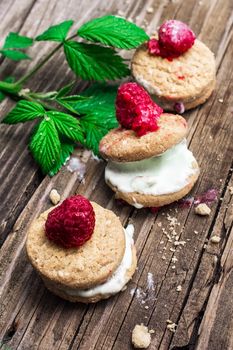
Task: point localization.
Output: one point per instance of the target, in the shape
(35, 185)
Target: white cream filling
(167, 173)
(118, 280)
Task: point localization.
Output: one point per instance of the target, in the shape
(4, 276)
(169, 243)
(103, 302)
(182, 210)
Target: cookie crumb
(54, 196)
(179, 288)
(220, 100)
(150, 10)
(202, 209)
(230, 189)
(180, 243)
(215, 239)
(141, 337)
(171, 326)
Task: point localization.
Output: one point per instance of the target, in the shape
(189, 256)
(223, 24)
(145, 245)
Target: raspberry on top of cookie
(177, 69)
(148, 165)
(175, 38)
(145, 131)
(81, 250)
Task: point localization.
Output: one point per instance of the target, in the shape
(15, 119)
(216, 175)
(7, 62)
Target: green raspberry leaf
(67, 148)
(97, 104)
(69, 102)
(95, 128)
(24, 111)
(113, 31)
(45, 145)
(65, 90)
(57, 32)
(101, 100)
(16, 41)
(15, 55)
(67, 125)
(93, 62)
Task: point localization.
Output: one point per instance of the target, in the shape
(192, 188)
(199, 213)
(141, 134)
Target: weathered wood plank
(32, 318)
(220, 306)
(24, 182)
(209, 275)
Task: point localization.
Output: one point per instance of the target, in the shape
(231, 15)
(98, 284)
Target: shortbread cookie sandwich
(149, 164)
(81, 251)
(177, 69)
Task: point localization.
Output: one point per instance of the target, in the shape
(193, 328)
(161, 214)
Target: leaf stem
(11, 88)
(44, 104)
(39, 65)
(46, 58)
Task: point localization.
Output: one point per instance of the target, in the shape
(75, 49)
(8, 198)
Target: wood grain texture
(30, 316)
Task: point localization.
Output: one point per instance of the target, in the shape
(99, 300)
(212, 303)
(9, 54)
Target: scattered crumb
(141, 337)
(179, 288)
(174, 259)
(215, 239)
(164, 257)
(202, 209)
(220, 100)
(54, 196)
(150, 10)
(173, 267)
(179, 243)
(132, 291)
(171, 326)
(120, 13)
(146, 307)
(151, 331)
(230, 189)
(196, 232)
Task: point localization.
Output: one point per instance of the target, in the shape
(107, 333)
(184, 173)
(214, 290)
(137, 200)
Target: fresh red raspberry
(175, 38)
(72, 223)
(136, 110)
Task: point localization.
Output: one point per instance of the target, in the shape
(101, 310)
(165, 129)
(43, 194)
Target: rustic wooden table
(33, 318)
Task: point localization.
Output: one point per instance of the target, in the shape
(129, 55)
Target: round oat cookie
(64, 294)
(121, 145)
(145, 200)
(82, 267)
(188, 79)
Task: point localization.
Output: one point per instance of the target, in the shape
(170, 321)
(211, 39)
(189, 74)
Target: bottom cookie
(64, 293)
(170, 106)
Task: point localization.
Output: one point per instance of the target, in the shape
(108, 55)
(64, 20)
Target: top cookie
(121, 145)
(83, 267)
(186, 77)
